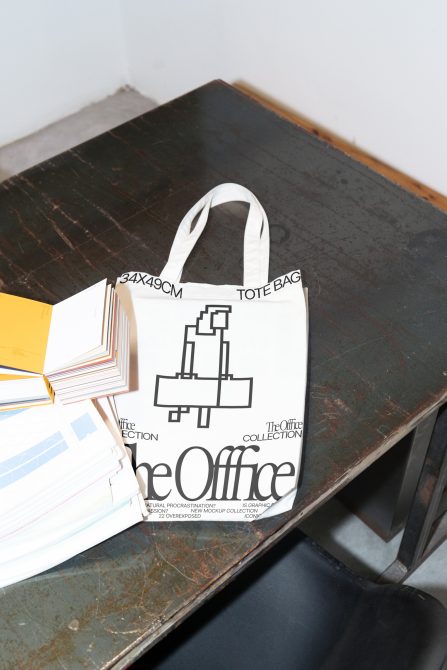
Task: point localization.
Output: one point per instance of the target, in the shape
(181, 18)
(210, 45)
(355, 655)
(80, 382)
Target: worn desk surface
(374, 259)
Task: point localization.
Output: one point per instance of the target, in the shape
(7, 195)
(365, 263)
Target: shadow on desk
(298, 607)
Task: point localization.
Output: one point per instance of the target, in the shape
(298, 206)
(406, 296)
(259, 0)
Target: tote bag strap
(256, 237)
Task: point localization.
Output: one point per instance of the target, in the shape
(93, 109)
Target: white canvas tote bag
(215, 415)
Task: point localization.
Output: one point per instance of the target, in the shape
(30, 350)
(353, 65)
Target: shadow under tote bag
(215, 416)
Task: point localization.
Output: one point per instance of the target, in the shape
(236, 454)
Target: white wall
(374, 72)
(56, 56)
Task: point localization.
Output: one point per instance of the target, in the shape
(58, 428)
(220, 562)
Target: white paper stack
(88, 346)
(66, 484)
(78, 348)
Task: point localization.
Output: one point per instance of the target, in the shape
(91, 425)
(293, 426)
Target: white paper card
(76, 327)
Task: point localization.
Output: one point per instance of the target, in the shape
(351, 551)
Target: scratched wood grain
(374, 259)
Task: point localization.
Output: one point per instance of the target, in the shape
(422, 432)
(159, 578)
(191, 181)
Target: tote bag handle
(256, 237)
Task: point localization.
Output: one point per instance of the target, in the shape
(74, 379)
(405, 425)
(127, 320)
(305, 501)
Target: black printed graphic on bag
(204, 381)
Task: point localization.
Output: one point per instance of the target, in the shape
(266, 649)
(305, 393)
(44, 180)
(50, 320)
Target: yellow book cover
(24, 330)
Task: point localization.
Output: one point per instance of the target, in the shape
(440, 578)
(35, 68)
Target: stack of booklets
(78, 348)
(66, 484)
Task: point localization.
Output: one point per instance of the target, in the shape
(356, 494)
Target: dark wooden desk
(374, 259)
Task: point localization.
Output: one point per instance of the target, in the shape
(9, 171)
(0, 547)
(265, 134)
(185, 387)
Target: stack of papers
(66, 484)
(78, 348)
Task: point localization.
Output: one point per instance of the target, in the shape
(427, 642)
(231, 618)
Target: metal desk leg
(420, 537)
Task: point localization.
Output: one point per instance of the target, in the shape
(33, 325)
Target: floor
(72, 130)
(356, 545)
(341, 533)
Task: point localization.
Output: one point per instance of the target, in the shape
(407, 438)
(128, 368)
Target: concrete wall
(56, 56)
(374, 72)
